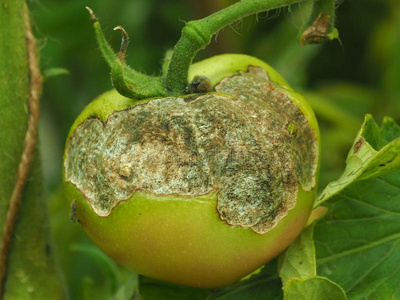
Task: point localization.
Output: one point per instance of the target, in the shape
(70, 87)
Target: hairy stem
(196, 35)
(127, 81)
(26, 264)
(28, 151)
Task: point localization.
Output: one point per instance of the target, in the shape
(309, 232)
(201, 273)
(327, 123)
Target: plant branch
(196, 35)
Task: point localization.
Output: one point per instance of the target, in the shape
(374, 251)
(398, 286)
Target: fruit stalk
(196, 35)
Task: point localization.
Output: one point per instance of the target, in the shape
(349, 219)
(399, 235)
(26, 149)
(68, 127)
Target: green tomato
(198, 190)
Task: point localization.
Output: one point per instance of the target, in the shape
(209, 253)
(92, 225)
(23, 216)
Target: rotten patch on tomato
(235, 141)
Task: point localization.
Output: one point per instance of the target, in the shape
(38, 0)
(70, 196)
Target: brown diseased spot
(238, 144)
(72, 214)
(358, 145)
(318, 31)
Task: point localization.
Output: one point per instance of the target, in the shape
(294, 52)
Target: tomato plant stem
(196, 35)
(24, 235)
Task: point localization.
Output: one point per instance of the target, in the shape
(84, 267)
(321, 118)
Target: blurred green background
(343, 80)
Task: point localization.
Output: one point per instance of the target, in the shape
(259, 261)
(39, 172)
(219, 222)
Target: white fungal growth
(236, 142)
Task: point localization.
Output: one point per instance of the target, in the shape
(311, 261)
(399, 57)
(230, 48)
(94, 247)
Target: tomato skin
(182, 239)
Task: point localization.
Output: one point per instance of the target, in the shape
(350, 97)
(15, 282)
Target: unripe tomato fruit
(154, 182)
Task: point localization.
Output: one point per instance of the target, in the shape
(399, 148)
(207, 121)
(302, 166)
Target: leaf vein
(325, 260)
(388, 183)
(369, 205)
(373, 267)
(350, 220)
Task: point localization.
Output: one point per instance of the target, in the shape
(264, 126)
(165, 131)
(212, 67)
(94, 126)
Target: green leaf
(87, 289)
(358, 242)
(263, 285)
(375, 152)
(299, 273)
(128, 290)
(314, 288)
(106, 265)
(298, 261)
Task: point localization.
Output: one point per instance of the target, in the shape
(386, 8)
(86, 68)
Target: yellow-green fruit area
(191, 237)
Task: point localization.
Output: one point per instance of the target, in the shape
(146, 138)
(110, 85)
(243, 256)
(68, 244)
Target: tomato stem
(196, 35)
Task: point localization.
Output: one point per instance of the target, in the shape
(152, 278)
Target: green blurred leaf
(375, 152)
(315, 288)
(280, 47)
(328, 110)
(354, 98)
(129, 290)
(391, 70)
(263, 285)
(52, 72)
(105, 264)
(152, 289)
(87, 288)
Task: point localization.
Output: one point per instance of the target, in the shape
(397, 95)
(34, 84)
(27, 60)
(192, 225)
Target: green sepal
(334, 34)
(108, 53)
(135, 89)
(105, 48)
(127, 81)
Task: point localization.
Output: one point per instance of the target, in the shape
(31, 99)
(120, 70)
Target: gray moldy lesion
(239, 141)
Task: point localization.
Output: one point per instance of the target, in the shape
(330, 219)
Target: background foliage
(342, 80)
